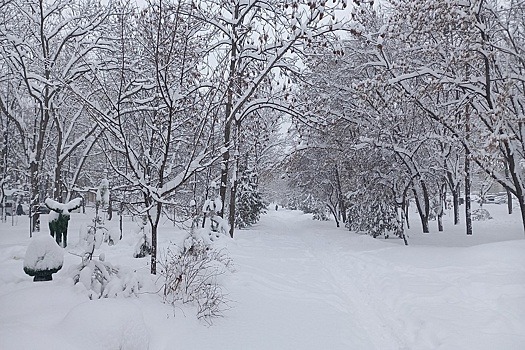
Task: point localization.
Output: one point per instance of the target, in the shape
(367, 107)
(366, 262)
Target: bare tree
(46, 48)
(151, 105)
(255, 42)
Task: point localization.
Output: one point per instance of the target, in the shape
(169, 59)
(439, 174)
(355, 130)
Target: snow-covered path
(396, 297)
(299, 284)
(303, 262)
(303, 284)
(286, 274)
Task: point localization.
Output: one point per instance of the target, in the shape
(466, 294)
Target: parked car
(500, 199)
(8, 208)
(490, 198)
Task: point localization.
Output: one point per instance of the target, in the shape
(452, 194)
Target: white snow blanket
(299, 284)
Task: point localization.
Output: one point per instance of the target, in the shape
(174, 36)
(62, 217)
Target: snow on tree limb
(63, 208)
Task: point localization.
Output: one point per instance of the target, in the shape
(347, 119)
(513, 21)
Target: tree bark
(340, 197)
(153, 249)
(333, 210)
(441, 209)
(521, 202)
(455, 204)
(234, 184)
(233, 196)
(228, 116)
(406, 206)
(225, 161)
(509, 194)
(423, 208)
(468, 216)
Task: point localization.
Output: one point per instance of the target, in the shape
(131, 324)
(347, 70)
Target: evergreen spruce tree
(250, 204)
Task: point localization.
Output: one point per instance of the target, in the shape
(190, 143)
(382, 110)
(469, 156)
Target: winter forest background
(380, 117)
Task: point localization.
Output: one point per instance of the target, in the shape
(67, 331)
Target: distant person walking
(276, 207)
(19, 209)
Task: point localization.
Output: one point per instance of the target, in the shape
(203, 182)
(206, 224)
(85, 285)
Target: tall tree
(257, 41)
(152, 106)
(471, 54)
(47, 48)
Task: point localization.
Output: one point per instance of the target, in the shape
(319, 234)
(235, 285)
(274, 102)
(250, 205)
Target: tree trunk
(468, 216)
(509, 202)
(423, 208)
(57, 188)
(333, 210)
(455, 204)
(225, 162)
(34, 200)
(509, 194)
(233, 192)
(406, 206)
(403, 235)
(441, 209)
(154, 222)
(231, 213)
(400, 218)
(521, 202)
(424, 224)
(516, 180)
(228, 119)
(340, 196)
(454, 189)
(110, 209)
(153, 249)
(121, 213)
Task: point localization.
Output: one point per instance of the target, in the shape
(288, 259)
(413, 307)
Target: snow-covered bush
(143, 246)
(320, 215)
(100, 278)
(373, 216)
(192, 274)
(102, 195)
(214, 224)
(43, 258)
(481, 214)
(309, 204)
(250, 204)
(97, 232)
(103, 280)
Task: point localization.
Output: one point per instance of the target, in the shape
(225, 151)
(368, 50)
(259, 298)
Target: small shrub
(481, 215)
(143, 246)
(320, 215)
(192, 274)
(103, 280)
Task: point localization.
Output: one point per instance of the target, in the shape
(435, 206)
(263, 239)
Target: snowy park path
(336, 290)
(299, 284)
(301, 261)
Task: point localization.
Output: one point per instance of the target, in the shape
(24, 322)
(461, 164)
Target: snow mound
(43, 254)
(104, 324)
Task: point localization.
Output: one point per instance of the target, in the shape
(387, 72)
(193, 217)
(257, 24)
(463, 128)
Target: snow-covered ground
(298, 284)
